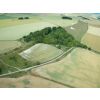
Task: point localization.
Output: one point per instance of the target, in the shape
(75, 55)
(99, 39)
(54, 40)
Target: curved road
(48, 62)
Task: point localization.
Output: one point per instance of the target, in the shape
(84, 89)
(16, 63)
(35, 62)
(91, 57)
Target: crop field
(77, 30)
(79, 69)
(5, 46)
(92, 41)
(41, 53)
(18, 31)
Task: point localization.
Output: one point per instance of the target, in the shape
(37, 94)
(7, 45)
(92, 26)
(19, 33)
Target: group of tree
(54, 35)
(22, 18)
(66, 17)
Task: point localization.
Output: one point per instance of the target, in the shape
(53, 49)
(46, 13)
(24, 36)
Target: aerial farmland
(49, 50)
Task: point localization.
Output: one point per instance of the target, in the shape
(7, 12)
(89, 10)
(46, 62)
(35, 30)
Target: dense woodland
(54, 35)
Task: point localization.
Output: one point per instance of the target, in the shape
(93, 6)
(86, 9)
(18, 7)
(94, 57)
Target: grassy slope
(41, 53)
(79, 30)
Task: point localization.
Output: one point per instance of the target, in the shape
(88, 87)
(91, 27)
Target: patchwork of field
(18, 31)
(29, 81)
(41, 53)
(78, 69)
(77, 30)
(5, 46)
(92, 41)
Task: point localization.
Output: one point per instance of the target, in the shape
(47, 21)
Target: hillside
(41, 53)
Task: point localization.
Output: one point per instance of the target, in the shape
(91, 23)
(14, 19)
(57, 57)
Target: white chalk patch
(72, 28)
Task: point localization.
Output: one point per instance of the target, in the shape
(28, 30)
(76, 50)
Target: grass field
(13, 59)
(57, 20)
(18, 31)
(77, 30)
(16, 15)
(3, 16)
(5, 46)
(15, 21)
(41, 53)
(92, 41)
(78, 69)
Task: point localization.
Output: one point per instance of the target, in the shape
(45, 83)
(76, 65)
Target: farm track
(45, 63)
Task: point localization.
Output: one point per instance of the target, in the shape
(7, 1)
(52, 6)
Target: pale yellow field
(41, 53)
(81, 68)
(8, 45)
(92, 41)
(28, 81)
